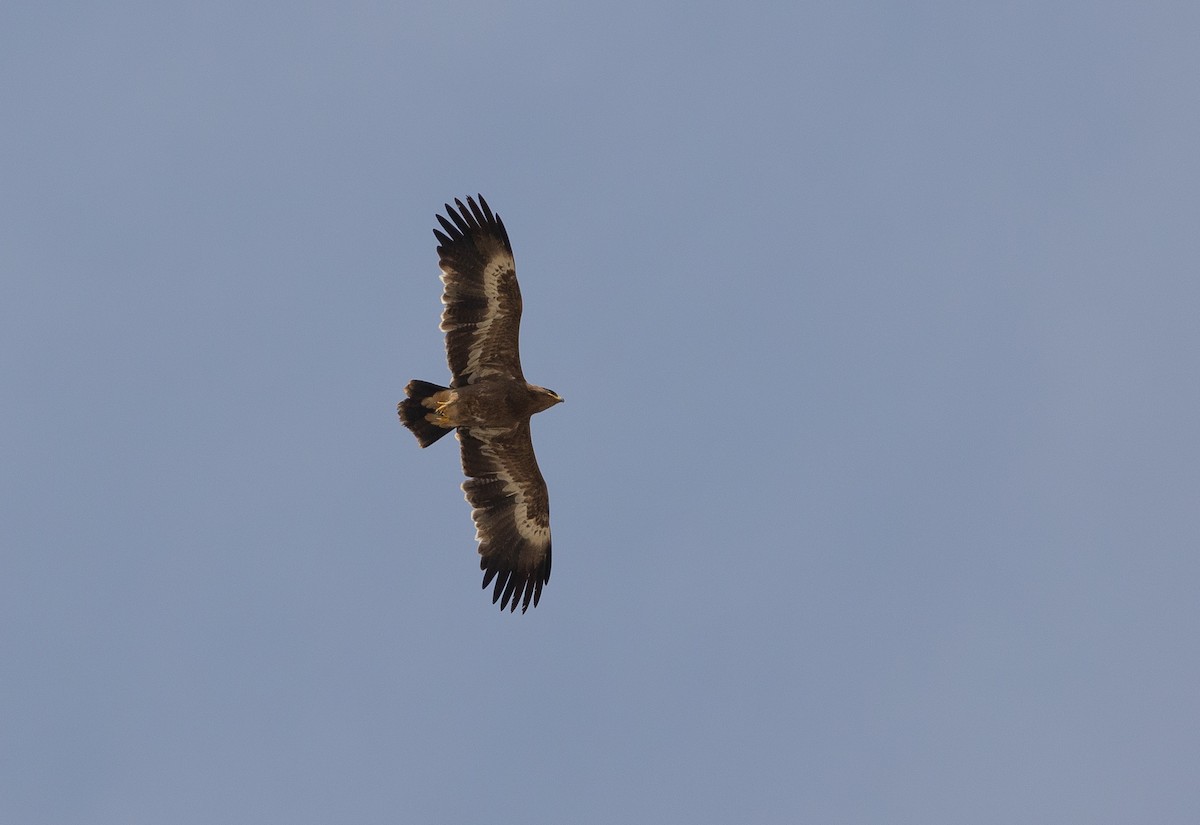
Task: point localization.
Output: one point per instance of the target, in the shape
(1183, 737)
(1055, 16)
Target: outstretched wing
(482, 312)
(511, 510)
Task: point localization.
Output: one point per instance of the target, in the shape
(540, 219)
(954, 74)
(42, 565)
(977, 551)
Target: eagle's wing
(482, 312)
(511, 510)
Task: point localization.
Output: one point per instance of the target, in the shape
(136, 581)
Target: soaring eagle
(488, 403)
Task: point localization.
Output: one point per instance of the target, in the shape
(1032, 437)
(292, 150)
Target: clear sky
(875, 496)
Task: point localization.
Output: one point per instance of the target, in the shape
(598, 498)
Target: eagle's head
(544, 398)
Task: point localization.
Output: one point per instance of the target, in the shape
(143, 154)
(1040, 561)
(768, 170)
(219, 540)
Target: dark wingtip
(462, 219)
(512, 588)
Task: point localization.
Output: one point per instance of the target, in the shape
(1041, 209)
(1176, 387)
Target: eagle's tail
(413, 412)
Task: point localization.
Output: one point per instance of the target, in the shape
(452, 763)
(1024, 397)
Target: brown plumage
(489, 404)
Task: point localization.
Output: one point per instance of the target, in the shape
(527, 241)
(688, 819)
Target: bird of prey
(488, 404)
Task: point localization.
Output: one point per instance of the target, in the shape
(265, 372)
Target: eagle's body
(484, 404)
(488, 404)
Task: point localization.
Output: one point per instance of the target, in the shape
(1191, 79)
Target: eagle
(488, 403)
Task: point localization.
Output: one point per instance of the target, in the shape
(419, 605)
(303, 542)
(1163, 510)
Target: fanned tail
(413, 412)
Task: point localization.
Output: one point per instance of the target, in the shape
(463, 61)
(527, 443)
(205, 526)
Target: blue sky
(875, 495)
